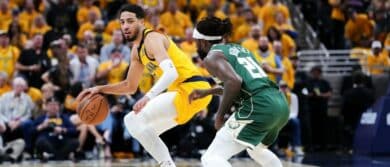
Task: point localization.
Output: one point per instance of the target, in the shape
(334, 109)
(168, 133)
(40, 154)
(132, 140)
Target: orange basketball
(93, 110)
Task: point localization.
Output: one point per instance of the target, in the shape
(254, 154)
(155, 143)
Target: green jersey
(244, 64)
(261, 109)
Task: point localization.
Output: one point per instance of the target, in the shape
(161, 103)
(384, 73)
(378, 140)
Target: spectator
(211, 11)
(8, 55)
(288, 43)
(293, 122)
(359, 29)
(175, 21)
(267, 14)
(89, 25)
(113, 70)
(282, 25)
(5, 15)
(83, 129)
(301, 90)
(252, 42)
(244, 29)
(289, 73)
(83, 67)
(380, 13)
(15, 111)
(55, 133)
(189, 45)
(112, 26)
(337, 40)
(378, 61)
(117, 42)
(319, 94)
(101, 37)
(85, 10)
(4, 86)
(356, 100)
(268, 58)
(89, 39)
(39, 26)
(33, 62)
(153, 22)
(60, 74)
(16, 36)
(61, 16)
(152, 7)
(47, 90)
(27, 16)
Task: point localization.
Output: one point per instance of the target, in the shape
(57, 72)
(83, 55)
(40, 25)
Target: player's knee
(133, 124)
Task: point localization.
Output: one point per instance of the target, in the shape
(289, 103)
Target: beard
(132, 38)
(263, 48)
(202, 54)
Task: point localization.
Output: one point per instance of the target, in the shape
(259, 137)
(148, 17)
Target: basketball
(93, 110)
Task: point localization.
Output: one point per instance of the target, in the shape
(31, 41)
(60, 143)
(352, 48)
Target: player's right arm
(127, 86)
(200, 93)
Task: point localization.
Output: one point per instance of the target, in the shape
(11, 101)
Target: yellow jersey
(189, 78)
(270, 60)
(116, 74)
(8, 58)
(377, 64)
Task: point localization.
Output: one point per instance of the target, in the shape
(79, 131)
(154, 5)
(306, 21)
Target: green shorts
(259, 118)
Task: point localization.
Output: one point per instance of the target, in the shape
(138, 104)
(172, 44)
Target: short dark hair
(139, 12)
(214, 26)
(317, 68)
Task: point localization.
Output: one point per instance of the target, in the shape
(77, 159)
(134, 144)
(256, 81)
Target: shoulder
(154, 35)
(92, 59)
(40, 119)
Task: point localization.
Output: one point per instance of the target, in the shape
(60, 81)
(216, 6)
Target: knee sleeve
(134, 124)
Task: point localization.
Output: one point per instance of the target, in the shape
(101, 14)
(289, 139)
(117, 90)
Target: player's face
(202, 48)
(130, 25)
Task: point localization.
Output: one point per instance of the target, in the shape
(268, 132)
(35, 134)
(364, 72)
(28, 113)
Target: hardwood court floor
(246, 162)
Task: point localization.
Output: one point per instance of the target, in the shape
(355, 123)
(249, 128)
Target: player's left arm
(218, 66)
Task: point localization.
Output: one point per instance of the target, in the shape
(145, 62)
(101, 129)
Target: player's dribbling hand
(140, 104)
(197, 94)
(87, 93)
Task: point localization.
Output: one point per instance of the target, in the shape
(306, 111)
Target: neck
(82, 60)
(137, 41)
(17, 94)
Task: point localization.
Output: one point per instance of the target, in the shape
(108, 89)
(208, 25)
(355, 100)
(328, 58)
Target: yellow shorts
(185, 110)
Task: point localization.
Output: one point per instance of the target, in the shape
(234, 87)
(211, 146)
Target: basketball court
(246, 162)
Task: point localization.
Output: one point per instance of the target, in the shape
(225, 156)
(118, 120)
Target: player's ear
(141, 21)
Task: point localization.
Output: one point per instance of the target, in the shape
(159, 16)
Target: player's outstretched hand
(140, 104)
(197, 94)
(87, 93)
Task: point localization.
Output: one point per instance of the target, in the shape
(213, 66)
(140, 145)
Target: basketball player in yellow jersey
(156, 112)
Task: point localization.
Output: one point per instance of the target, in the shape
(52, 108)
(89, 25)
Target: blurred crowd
(50, 50)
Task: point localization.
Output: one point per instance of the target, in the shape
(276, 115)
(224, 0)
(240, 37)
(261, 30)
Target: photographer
(55, 133)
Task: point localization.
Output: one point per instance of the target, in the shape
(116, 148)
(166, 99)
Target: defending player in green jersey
(261, 109)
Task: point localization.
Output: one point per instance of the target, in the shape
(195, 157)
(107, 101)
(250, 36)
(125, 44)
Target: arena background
(334, 55)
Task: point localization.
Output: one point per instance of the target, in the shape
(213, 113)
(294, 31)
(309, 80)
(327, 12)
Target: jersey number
(252, 67)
